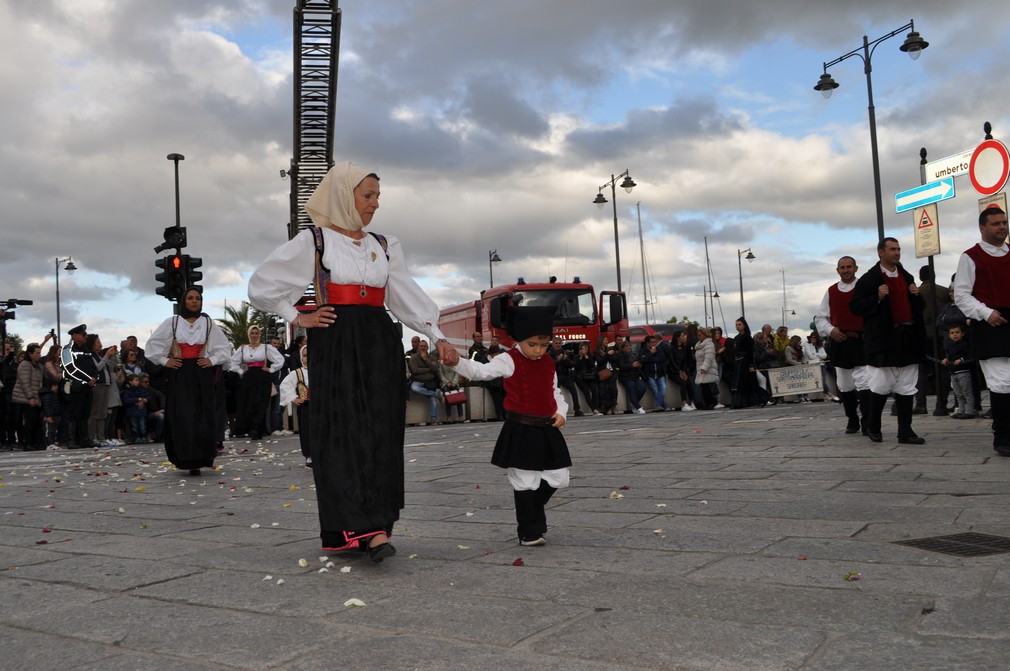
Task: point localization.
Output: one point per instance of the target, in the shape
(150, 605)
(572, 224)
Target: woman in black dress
(746, 392)
(357, 411)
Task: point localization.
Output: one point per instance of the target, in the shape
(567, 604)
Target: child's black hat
(534, 320)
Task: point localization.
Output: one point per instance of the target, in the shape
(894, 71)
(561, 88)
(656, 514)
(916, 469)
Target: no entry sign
(989, 167)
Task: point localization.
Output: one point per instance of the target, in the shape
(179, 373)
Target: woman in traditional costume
(190, 345)
(255, 362)
(356, 374)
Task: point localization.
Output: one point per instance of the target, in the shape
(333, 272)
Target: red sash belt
(256, 364)
(350, 294)
(187, 351)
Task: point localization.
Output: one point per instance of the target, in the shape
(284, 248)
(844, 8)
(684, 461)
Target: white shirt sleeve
(159, 343)
(274, 358)
(560, 399)
(406, 299)
(281, 280)
(288, 389)
(218, 346)
(822, 320)
(500, 366)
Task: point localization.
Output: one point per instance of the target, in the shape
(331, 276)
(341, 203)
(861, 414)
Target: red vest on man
(992, 277)
(530, 390)
(901, 307)
(841, 315)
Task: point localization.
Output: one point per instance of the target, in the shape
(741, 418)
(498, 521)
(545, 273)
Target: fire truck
(580, 317)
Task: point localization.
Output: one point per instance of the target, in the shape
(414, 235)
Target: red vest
(530, 389)
(901, 307)
(841, 315)
(992, 278)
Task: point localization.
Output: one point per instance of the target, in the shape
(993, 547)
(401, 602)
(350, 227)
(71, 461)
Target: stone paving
(755, 539)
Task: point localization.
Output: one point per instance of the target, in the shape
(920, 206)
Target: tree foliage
(683, 320)
(237, 321)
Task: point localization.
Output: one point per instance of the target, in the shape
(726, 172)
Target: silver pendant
(363, 292)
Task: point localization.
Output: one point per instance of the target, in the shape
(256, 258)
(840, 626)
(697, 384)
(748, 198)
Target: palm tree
(237, 321)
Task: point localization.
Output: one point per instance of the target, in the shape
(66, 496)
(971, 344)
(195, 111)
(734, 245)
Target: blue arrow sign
(933, 192)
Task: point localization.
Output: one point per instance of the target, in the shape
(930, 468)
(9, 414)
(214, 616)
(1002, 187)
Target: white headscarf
(332, 203)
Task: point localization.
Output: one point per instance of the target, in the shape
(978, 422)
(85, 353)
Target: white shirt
(964, 283)
(282, 278)
(160, 342)
(247, 354)
(503, 366)
(822, 320)
(288, 391)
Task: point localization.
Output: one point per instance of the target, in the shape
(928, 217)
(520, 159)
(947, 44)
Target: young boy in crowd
(530, 445)
(960, 365)
(135, 399)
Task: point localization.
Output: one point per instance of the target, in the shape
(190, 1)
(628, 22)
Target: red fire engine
(579, 318)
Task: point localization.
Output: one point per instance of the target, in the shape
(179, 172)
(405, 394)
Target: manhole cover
(962, 545)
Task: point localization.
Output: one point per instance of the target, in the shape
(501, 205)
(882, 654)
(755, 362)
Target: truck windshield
(575, 306)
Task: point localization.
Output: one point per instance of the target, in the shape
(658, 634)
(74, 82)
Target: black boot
(877, 403)
(905, 433)
(865, 398)
(1000, 406)
(530, 528)
(850, 402)
(544, 494)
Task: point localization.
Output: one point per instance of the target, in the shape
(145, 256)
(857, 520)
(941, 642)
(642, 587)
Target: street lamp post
(492, 258)
(628, 184)
(70, 268)
(913, 46)
(739, 266)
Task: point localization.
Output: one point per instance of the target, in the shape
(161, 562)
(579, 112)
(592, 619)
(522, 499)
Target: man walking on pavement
(844, 331)
(982, 291)
(894, 338)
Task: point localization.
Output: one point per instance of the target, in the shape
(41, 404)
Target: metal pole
(873, 140)
(59, 328)
(933, 331)
(739, 267)
(490, 269)
(617, 242)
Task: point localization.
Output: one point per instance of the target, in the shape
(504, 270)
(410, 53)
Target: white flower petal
(354, 602)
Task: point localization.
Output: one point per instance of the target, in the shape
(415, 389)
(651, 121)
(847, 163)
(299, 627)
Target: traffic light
(172, 276)
(193, 276)
(175, 236)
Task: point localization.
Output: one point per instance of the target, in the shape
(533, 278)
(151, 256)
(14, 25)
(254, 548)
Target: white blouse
(218, 347)
(281, 280)
(247, 354)
(288, 389)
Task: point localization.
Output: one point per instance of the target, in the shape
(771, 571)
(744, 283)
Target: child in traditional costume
(530, 445)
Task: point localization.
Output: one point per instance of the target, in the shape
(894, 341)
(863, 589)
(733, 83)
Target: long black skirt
(190, 437)
(252, 403)
(356, 424)
(747, 392)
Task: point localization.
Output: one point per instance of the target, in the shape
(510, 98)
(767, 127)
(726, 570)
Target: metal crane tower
(316, 51)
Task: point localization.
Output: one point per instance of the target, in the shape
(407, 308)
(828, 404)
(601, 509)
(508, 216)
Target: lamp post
(913, 46)
(492, 258)
(739, 266)
(628, 184)
(70, 268)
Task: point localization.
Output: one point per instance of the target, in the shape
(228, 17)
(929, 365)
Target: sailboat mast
(645, 275)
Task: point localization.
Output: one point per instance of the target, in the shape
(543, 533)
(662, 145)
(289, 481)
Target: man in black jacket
(894, 336)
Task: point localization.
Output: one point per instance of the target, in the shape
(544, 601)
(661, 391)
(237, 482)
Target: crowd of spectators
(696, 362)
(123, 394)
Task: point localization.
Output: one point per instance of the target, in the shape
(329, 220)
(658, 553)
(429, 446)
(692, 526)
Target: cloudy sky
(492, 125)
